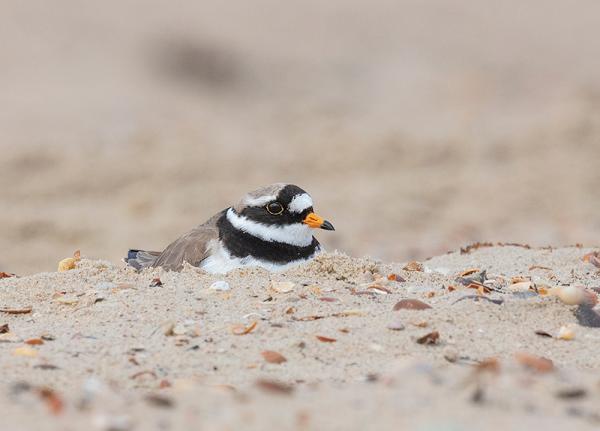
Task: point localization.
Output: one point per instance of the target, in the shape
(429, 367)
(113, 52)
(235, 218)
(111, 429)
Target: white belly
(220, 261)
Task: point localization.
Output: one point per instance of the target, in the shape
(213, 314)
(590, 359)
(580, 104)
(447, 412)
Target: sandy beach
(418, 127)
(317, 347)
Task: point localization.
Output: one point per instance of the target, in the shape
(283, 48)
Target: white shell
(220, 285)
(282, 286)
(522, 286)
(575, 295)
(179, 329)
(565, 333)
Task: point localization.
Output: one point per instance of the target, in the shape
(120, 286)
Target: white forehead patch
(300, 203)
(258, 201)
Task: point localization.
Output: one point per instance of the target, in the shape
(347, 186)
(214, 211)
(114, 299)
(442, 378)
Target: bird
(271, 227)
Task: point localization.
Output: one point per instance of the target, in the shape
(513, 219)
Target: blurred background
(417, 126)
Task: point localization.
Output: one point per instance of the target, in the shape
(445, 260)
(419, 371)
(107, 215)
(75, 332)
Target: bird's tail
(140, 259)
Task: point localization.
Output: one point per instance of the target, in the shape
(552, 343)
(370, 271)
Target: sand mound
(316, 347)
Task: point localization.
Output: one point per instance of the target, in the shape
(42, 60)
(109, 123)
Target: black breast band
(242, 244)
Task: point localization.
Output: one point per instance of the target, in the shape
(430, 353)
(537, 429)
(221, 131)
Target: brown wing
(190, 247)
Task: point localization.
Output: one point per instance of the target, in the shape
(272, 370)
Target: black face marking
(288, 193)
(241, 244)
(285, 196)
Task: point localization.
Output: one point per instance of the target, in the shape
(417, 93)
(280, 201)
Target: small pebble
(450, 354)
(396, 324)
(587, 316)
(571, 393)
(167, 328)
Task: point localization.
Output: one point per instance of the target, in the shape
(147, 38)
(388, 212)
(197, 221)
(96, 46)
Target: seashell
(66, 264)
(593, 258)
(315, 290)
(431, 338)
(67, 300)
(575, 295)
(273, 357)
(521, 286)
(414, 266)
(9, 337)
(243, 330)
(396, 277)
(380, 290)
(282, 286)
(469, 271)
(411, 304)
(565, 333)
(543, 289)
(25, 351)
(70, 262)
(178, 329)
(349, 313)
(535, 363)
(419, 323)
(16, 310)
(220, 285)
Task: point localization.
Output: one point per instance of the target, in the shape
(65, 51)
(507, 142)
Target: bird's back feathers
(191, 247)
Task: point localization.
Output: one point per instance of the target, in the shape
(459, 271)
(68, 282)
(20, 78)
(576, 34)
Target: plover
(270, 227)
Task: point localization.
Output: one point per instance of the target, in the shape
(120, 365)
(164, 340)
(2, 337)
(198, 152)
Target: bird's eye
(275, 208)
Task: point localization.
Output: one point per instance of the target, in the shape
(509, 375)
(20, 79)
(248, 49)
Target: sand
(417, 127)
(120, 354)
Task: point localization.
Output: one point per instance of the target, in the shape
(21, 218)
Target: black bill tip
(327, 226)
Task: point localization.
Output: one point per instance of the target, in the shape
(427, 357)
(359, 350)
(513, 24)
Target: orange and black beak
(314, 221)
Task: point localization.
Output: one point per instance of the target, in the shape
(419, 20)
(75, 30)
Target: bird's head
(278, 212)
